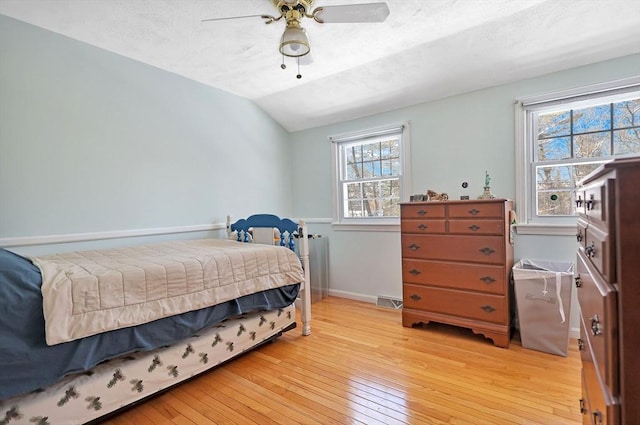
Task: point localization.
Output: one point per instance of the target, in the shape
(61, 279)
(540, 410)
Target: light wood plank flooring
(360, 366)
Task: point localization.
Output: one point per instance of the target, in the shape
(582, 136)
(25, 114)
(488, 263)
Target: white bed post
(305, 296)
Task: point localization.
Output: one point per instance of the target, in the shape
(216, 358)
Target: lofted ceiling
(425, 50)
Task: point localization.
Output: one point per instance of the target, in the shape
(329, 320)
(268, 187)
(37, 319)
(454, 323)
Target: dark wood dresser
(608, 281)
(456, 263)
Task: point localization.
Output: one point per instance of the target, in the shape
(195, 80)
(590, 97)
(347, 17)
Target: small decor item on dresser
(435, 196)
(487, 188)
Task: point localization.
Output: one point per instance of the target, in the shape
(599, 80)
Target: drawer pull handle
(597, 417)
(590, 250)
(474, 227)
(596, 329)
(423, 226)
(580, 344)
(488, 308)
(487, 279)
(415, 272)
(579, 236)
(474, 211)
(579, 202)
(590, 204)
(578, 281)
(583, 409)
(487, 251)
(415, 297)
(414, 247)
(422, 212)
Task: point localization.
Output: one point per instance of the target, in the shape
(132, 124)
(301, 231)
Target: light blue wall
(91, 141)
(453, 140)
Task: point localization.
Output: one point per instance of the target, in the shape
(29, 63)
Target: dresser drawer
(483, 307)
(585, 407)
(596, 201)
(477, 210)
(480, 249)
(598, 306)
(473, 277)
(423, 226)
(602, 406)
(598, 249)
(477, 227)
(423, 210)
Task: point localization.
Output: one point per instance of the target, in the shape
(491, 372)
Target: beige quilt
(89, 292)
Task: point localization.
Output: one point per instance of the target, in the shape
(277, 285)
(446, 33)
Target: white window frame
(528, 222)
(371, 223)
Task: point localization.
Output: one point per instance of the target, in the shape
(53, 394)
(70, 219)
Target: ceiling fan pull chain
(299, 75)
(283, 66)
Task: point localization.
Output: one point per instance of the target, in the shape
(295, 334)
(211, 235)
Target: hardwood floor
(360, 366)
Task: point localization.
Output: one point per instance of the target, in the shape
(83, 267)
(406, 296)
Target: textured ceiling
(426, 49)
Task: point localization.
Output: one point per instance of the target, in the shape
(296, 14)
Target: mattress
(90, 292)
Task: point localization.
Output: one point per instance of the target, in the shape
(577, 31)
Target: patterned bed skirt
(117, 383)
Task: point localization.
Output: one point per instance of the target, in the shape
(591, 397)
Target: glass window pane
(554, 203)
(371, 208)
(370, 190)
(554, 124)
(387, 169)
(385, 152)
(553, 178)
(372, 169)
(395, 188)
(354, 171)
(353, 154)
(626, 114)
(390, 208)
(353, 190)
(581, 170)
(593, 145)
(554, 149)
(626, 141)
(371, 151)
(354, 209)
(385, 188)
(395, 167)
(592, 119)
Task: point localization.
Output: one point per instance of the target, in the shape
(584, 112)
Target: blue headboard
(284, 226)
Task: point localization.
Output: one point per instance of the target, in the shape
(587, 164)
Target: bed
(85, 334)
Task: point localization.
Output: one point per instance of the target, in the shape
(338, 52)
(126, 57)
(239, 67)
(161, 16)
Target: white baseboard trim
(115, 234)
(353, 296)
(574, 333)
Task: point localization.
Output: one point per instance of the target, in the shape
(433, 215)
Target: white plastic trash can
(543, 304)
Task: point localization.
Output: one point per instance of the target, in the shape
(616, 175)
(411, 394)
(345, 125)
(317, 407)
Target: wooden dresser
(608, 281)
(456, 262)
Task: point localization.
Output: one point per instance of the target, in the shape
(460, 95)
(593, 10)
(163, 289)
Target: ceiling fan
(294, 41)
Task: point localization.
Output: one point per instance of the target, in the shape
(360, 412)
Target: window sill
(366, 227)
(546, 229)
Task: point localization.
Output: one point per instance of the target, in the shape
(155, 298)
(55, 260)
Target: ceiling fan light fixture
(294, 42)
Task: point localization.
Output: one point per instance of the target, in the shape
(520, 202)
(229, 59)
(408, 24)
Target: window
(370, 173)
(564, 138)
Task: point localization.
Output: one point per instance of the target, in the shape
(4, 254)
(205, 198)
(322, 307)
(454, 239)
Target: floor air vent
(389, 303)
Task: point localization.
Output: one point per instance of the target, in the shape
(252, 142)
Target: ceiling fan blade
(269, 18)
(352, 13)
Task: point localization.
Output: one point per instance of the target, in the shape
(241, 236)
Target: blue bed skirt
(28, 364)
